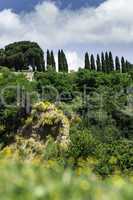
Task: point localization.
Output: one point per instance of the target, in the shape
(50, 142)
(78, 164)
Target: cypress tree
(53, 61)
(48, 59)
(107, 62)
(117, 64)
(128, 66)
(123, 65)
(64, 62)
(59, 61)
(87, 61)
(111, 62)
(103, 62)
(99, 66)
(93, 67)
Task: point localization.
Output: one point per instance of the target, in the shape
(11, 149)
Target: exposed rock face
(46, 120)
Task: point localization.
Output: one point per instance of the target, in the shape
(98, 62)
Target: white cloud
(74, 60)
(110, 23)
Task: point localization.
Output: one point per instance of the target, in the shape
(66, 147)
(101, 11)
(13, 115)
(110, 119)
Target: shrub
(83, 144)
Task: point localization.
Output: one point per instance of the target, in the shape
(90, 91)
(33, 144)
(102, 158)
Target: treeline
(106, 63)
(62, 61)
(102, 63)
(27, 55)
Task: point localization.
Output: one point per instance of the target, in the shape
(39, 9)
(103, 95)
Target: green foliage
(93, 80)
(62, 83)
(52, 149)
(114, 156)
(12, 114)
(82, 143)
(100, 130)
(20, 55)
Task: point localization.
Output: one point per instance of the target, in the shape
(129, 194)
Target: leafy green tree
(87, 61)
(16, 60)
(99, 66)
(29, 53)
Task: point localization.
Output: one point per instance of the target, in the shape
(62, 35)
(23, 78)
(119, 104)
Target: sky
(76, 26)
(28, 5)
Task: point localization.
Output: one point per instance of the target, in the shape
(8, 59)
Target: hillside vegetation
(66, 135)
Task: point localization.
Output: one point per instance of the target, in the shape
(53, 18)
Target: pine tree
(93, 67)
(99, 66)
(111, 62)
(53, 64)
(87, 61)
(117, 64)
(103, 62)
(123, 65)
(107, 62)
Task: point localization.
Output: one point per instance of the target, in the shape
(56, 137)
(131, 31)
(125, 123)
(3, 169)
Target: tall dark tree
(49, 61)
(87, 61)
(93, 66)
(99, 66)
(128, 66)
(59, 61)
(111, 62)
(53, 64)
(117, 64)
(64, 62)
(103, 62)
(123, 65)
(107, 62)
